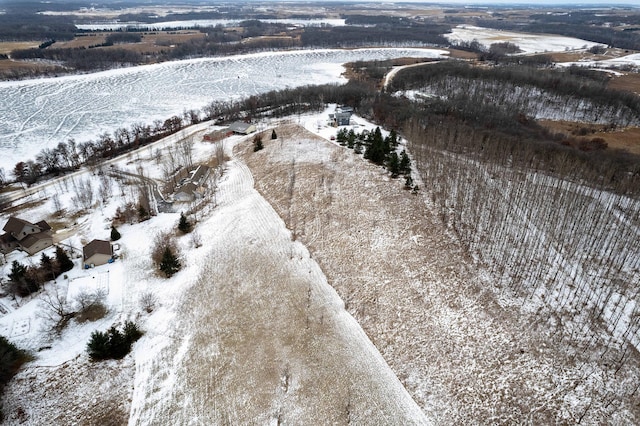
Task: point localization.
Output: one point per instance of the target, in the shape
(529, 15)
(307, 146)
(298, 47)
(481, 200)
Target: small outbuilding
(242, 128)
(97, 252)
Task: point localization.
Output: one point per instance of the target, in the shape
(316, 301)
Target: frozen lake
(36, 114)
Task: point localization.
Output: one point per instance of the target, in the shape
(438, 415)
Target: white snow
(528, 43)
(202, 23)
(40, 113)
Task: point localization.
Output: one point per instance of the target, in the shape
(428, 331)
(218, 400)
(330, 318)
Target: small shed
(242, 128)
(97, 252)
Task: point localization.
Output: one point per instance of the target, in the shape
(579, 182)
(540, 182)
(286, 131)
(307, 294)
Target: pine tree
(257, 143)
(405, 163)
(118, 345)
(47, 267)
(169, 263)
(273, 134)
(393, 164)
(408, 183)
(376, 152)
(184, 225)
(64, 263)
(21, 282)
(143, 214)
(98, 346)
(115, 235)
(131, 332)
(393, 138)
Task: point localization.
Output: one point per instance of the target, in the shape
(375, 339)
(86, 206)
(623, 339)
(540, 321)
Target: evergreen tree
(405, 163)
(47, 267)
(131, 331)
(21, 283)
(143, 214)
(393, 138)
(98, 346)
(113, 343)
(408, 183)
(169, 263)
(393, 164)
(184, 225)
(118, 345)
(115, 235)
(376, 152)
(351, 138)
(64, 263)
(257, 143)
(358, 147)
(11, 358)
(341, 136)
(273, 134)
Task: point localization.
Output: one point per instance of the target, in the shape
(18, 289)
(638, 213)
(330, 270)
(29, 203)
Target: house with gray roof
(242, 128)
(24, 235)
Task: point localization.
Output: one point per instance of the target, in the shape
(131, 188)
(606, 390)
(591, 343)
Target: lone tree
(169, 263)
(64, 263)
(115, 235)
(184, 225)
(257, 143)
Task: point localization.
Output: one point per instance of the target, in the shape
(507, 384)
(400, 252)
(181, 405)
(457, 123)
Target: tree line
(572, 81)
(559, 233)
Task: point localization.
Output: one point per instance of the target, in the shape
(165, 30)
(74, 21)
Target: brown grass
(152, 42)
(462, 54)
(629, 82)
(10, 46)
(626, 139)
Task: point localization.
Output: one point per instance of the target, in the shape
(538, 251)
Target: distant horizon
(483, 3)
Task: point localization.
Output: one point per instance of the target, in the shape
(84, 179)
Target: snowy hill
(320, 292)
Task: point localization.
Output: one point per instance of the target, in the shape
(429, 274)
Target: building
(341, 117)
(97, 252)
(242, 128)
(23, 235)
(193, 185)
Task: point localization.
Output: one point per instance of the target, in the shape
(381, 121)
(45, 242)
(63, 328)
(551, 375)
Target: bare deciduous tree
(148, 301)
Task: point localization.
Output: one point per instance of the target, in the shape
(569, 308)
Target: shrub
(148, 301)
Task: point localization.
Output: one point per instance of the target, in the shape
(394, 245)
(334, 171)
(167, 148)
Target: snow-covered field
(37, 114)
(250, 331)
(202, 23)
(529, 43)
(260, 325)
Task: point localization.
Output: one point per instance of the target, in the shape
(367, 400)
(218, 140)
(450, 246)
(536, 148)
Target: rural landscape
(294, 213)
